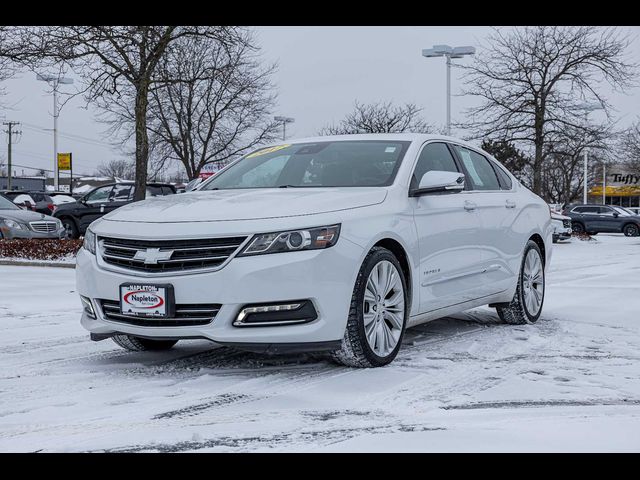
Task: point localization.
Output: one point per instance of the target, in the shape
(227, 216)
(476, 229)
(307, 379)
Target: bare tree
(630, 146)
(7, 68)
(533, 80)
(117, 168)
(380, 117)
(562, 176)
(220, 108)
(112, 60)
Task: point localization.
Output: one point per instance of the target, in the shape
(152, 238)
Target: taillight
(51, 206)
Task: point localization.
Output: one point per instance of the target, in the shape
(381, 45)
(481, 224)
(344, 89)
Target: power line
(72, 136)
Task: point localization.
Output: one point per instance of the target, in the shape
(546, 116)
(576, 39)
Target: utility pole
(284, 121)
(10, 132)
(55, 81)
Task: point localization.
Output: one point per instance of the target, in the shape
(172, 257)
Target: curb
(18, 263)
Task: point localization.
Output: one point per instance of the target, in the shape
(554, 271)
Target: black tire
(577, 228)
(70, 228)
(355, 350)
(515, 312)
(137, 344)
(631, 230)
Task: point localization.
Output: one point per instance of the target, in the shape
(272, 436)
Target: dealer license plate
(146, 300)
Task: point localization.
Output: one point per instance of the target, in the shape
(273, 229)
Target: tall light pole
(449, 53)
(284, 121)
(54, 81)
(587, 108)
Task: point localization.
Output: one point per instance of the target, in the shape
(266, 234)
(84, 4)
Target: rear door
(498, 210)
(448, 228)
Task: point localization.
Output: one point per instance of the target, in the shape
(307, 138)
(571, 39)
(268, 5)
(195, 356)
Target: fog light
(87, 307)
(276, 314)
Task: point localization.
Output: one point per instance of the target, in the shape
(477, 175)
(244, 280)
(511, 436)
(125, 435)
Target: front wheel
(577, 228)
(378, 313)
(630, 230)
(70, 229)
(526, 305)
(138, 344)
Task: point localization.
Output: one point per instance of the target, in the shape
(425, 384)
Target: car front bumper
(325, 277)
(15, 233)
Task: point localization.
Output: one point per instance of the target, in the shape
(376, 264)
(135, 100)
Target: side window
(121, 193)
(503, 178)
(434, 156)
(101, 195)
(481, 173)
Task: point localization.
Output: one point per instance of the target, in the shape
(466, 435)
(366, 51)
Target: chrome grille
(44, 227)
(160, 256)
(187, 314)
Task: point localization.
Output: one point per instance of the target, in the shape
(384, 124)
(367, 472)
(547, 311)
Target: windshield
(7, 204)
(361, 163)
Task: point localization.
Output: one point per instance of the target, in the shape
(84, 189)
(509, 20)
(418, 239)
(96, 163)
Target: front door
(94, 205)
(448, 226)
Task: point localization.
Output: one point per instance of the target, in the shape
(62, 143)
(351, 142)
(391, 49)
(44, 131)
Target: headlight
(12, 224)
(89, 243)
(293, 240)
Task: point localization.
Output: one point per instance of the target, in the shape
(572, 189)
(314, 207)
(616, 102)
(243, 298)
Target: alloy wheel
(383, 308)
(533, 282)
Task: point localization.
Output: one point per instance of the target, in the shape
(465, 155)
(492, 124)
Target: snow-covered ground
(569, 383)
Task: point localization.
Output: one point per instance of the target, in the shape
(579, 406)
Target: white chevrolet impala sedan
(334, 244)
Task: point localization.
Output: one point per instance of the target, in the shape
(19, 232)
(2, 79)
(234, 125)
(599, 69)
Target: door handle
(510, 204)
(101, 208)
(469, 206)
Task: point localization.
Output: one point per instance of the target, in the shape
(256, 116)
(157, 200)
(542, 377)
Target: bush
(39, 249)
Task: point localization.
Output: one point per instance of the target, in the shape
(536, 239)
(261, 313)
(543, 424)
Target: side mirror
(616, 214)
(436, 181)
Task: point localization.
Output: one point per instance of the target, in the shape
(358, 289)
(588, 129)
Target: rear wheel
(631, 230)
(137, 344)
(526, 305)
(378, 313)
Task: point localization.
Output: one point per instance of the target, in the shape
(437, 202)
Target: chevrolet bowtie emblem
(151, 256)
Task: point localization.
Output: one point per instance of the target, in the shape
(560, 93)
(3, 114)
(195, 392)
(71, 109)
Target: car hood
(24, 216)
(246, 204)
(557, 216)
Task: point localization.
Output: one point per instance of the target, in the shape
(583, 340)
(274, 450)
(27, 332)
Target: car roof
(398, 137)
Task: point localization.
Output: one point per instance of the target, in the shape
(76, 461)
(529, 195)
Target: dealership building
(622, 187)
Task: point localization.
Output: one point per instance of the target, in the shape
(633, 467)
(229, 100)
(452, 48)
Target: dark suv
(77, 216)
(602, 218)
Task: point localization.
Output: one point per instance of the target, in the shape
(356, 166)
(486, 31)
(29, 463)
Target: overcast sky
(322, 71)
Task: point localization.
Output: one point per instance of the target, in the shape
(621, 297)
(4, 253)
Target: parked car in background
(333, 243)
(61, 199)
(21, 199)
(593, 219)
(77, 216)
(561, 226)
(632, 210)
(18, 223)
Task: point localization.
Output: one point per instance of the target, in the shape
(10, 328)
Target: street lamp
(449, 52)
(284, 121)
(588, 108)
(54, 81)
